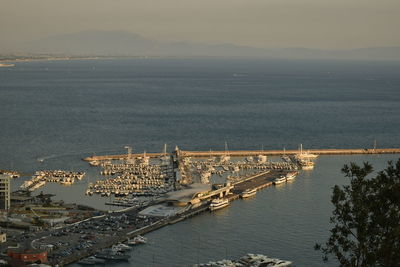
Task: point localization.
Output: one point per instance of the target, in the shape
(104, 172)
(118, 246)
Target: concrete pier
(245, 153)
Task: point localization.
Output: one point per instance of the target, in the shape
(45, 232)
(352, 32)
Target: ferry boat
(279, 180)
(219, 203)
(249, 193)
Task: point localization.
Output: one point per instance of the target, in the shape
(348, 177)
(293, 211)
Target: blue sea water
(62, 111)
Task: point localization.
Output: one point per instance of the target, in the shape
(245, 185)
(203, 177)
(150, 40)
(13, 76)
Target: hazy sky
(261, 23)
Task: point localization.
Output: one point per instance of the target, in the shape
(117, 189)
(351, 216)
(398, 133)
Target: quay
(244, 153)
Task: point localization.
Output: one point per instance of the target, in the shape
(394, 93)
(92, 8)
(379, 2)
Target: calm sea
(62, 111)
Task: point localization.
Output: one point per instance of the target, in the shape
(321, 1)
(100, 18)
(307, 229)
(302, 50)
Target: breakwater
(244, 153)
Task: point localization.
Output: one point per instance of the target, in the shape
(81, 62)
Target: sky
(323, 24)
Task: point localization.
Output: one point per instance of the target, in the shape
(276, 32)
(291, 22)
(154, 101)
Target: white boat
(224, 158)
(94, 163)
(249, 159)
(137, 240)
(219, 203)
(6, 65)
(249, 193)
(37, 185)
(280, 180)
(26, 184)
(262, 159)
(121, 247)
(307, 165)
(262, 260)
(291, 175)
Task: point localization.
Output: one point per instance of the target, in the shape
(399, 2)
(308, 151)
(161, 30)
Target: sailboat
(304, 159)
(225, 157)
(285, 157)
(305, 155)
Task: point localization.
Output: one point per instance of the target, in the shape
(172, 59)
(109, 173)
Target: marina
(152, 193)
(135, 179)
(40, 178)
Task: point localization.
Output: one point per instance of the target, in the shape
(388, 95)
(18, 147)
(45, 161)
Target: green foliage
(366, 218)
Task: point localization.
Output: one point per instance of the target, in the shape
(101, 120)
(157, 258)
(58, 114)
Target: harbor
(151, 193)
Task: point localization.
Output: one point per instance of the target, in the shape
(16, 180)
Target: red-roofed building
(28, 255)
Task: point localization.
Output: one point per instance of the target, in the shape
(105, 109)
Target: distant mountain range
(119, 43)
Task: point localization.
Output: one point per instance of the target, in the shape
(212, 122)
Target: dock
(245, 153)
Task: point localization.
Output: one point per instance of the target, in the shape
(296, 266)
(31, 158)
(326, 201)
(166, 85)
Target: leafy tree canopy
(366, 218)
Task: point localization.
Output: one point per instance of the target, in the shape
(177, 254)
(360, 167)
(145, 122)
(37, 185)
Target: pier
(245, 153)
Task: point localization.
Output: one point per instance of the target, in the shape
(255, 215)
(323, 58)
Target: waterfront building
(28, 255)
(4, 192)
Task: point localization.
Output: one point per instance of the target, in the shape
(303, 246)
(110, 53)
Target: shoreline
(17, 60)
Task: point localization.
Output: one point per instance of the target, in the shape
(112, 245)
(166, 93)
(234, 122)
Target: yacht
(262, 159)
(291, 175)
(137, 240)
(262, 260)
(307, 165)
(279, 180)
(249, 193)
(219, 203)
(121, 247)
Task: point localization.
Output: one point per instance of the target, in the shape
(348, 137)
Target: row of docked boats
(249, 260)
(285, 178)
(117, 252)
(132, 178)
(12, 174)
(40, 178)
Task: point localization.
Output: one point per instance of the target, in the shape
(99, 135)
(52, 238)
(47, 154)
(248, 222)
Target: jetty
(245, 153)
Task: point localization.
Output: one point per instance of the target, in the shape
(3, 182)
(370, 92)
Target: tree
(366, 218)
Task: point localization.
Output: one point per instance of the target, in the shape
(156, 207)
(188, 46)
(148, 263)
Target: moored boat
(219, 203)
(291, 175)
(121, 247)
(279, 180)
(249, 193)
(110, 254)
(91, 261)
(137, 240)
